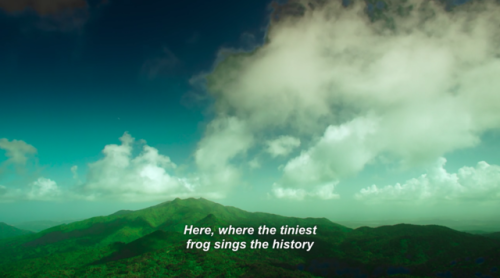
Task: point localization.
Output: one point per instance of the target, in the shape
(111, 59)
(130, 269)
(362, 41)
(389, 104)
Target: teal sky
(110, 105)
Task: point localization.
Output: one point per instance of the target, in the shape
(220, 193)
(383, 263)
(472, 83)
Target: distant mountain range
(7, 231)
(476, 226)
(151, 243)
(37, 226)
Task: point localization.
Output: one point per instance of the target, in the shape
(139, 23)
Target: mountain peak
(122, 212)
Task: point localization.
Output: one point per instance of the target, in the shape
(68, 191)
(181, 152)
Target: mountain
(7, 231)
(474, 226)
(495, 235)
(121, 212)
(151, 243)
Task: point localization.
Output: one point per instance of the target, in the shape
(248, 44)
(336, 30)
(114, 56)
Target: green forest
(151, 243)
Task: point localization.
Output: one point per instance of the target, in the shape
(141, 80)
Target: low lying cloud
(478, 183)
(130, 176)
(42, 189)
(414, 87)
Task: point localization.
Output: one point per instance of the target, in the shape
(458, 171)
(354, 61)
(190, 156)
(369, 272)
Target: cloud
(144, 177)
(42, 189)
(325, 192)
(131, 175)
(480, 183)
(341, 151)
(42, 7)
(282, 146)
(413, 88)
(17, 151)
(225, 139)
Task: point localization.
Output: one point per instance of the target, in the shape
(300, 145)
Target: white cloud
(225, 138)
(282, 146)
(325, 192)
(341, 151)
(120, 175)
(417, 92)
(147, 176)
(17, 151)
(43, 189)
(478, 183)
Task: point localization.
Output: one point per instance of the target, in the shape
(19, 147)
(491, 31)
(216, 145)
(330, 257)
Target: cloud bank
(42, 189)
(130, 172)
(468, 184)
(413, 87)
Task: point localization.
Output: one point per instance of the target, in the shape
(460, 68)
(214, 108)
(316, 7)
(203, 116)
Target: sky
(349, 110)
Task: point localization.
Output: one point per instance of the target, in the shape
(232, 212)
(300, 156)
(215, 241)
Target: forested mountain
(151, 243)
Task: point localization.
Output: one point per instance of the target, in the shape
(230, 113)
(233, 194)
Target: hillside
(493, 235)
(150, 243)
(7, 231)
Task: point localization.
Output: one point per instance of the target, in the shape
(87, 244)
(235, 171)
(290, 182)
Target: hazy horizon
(484, 224)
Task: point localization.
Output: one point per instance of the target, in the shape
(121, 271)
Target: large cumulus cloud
(124, 176)
(413, 86)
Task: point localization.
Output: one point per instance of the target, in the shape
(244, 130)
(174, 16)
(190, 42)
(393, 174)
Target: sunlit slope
(169, 216)
(125, 235)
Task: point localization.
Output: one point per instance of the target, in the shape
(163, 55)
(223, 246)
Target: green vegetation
(7, 231)
(151, 243)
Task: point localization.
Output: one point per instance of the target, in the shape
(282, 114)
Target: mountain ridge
(7, 231)
(107, 246)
